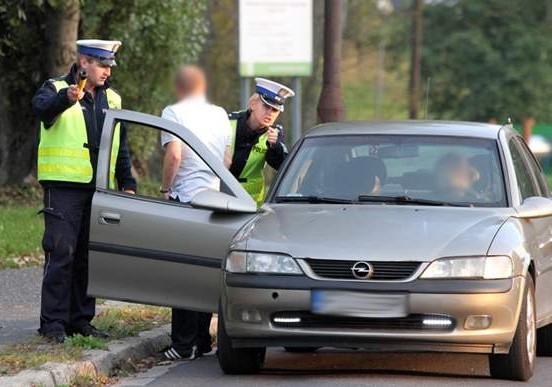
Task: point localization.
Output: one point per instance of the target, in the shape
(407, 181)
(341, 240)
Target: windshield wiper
(311, 199)
(405, 199)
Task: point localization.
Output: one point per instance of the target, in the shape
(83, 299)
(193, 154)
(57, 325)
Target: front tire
(519, 363)
(235, 361)
(544, 341)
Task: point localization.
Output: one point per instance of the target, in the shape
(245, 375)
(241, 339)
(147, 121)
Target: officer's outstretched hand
(74, 94)
(272, 136)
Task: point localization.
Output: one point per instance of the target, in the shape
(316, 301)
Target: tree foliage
(157, 36)
(488, 59)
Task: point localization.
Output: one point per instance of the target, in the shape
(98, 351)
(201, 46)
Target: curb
(95, 362)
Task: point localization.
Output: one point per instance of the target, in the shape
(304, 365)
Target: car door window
(147, 146)
(535, 167)
(526, 184)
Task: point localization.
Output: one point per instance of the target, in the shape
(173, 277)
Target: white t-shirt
(211, 125)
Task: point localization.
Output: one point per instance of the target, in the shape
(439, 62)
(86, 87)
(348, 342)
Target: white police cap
(103, 50)
(272, 93)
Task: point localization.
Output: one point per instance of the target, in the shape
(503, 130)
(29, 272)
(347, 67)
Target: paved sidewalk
(19, 303)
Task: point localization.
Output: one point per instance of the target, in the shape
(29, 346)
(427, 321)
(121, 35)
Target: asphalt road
(19, 303)
(330, 368)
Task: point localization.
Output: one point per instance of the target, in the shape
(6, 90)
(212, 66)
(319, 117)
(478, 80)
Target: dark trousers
(65, 243)
(189, 328)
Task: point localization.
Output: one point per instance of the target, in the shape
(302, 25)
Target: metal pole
(296, 112)
(245, 92)
(380, 73)
(416, 47)
(331, 106)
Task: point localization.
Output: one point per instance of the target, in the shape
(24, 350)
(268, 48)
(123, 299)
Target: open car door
(152, 251)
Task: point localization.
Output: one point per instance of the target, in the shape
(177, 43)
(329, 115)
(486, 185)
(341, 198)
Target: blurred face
(457, 176)
(264, 114)
(97, 71)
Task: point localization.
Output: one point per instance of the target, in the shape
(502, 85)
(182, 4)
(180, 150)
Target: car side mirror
(535, 207)
(220, 202)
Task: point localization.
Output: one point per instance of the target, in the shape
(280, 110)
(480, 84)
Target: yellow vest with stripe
(61, 152)
(252, 176)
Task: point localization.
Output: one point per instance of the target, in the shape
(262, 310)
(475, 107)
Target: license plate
(357, 304)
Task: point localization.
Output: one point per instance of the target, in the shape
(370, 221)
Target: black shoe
(86, 329)
(172, 354)
(56, 337)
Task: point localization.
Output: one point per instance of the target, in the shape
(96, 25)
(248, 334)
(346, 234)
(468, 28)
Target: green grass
(20, 236)
(118, 322)
(129, 321)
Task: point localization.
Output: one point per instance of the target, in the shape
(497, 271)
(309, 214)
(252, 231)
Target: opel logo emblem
(362, 270)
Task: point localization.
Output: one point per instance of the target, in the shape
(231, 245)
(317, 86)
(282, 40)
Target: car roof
(435, 128)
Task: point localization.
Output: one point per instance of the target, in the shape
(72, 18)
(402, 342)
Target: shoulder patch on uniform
(236, 115)
(54, 79)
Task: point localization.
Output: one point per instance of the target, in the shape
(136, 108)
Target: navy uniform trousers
(189, 328)
(67, 224)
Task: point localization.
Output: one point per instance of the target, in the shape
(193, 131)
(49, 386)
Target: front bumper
(273, 295)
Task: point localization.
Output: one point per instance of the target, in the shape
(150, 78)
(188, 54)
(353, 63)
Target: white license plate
(357, 304)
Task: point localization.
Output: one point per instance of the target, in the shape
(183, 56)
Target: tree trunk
(62, 23)
(414, 92)
(528, 125)
(330, 105)
(311, 85)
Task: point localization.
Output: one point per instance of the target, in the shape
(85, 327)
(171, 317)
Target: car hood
(375, 232)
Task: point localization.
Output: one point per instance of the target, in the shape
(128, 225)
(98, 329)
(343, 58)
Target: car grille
(410, 323)
(383, 271)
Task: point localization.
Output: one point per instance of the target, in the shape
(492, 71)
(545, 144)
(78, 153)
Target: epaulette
(236, 115)
(60, 78)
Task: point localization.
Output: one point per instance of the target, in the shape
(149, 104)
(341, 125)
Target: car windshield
(395, 169)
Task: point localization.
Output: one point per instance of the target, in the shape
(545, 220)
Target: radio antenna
(427, 96)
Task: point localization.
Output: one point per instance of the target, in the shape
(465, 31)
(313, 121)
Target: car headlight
(470, 267)
(246, 262)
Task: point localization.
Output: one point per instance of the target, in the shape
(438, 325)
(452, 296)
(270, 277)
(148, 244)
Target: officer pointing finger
(256, 139)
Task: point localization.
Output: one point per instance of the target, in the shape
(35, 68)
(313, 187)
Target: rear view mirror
(401, 151)
(535, 207)
(220, 202)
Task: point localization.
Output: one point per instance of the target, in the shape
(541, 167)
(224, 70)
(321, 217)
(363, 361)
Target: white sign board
(275, 37)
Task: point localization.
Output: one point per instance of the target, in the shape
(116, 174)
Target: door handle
(109, 217)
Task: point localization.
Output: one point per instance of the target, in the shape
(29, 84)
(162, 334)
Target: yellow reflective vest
(252, 177)
(62, 155)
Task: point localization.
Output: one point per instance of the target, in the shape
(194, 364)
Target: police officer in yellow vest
(255, 139)
(70, 131)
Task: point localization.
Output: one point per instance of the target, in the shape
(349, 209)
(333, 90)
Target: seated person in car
(455, 177)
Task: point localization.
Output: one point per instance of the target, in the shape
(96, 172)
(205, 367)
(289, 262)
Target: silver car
(390, 236)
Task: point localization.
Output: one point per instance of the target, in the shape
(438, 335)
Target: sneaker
(172, 354)
(86, 329)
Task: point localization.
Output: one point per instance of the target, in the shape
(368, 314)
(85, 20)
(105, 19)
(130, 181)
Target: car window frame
(513, 143)
(536, 171)
(229, 184)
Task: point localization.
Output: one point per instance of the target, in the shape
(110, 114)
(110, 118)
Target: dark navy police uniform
(65, 306)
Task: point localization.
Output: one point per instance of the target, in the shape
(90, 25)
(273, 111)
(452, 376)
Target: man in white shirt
(184, 175)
